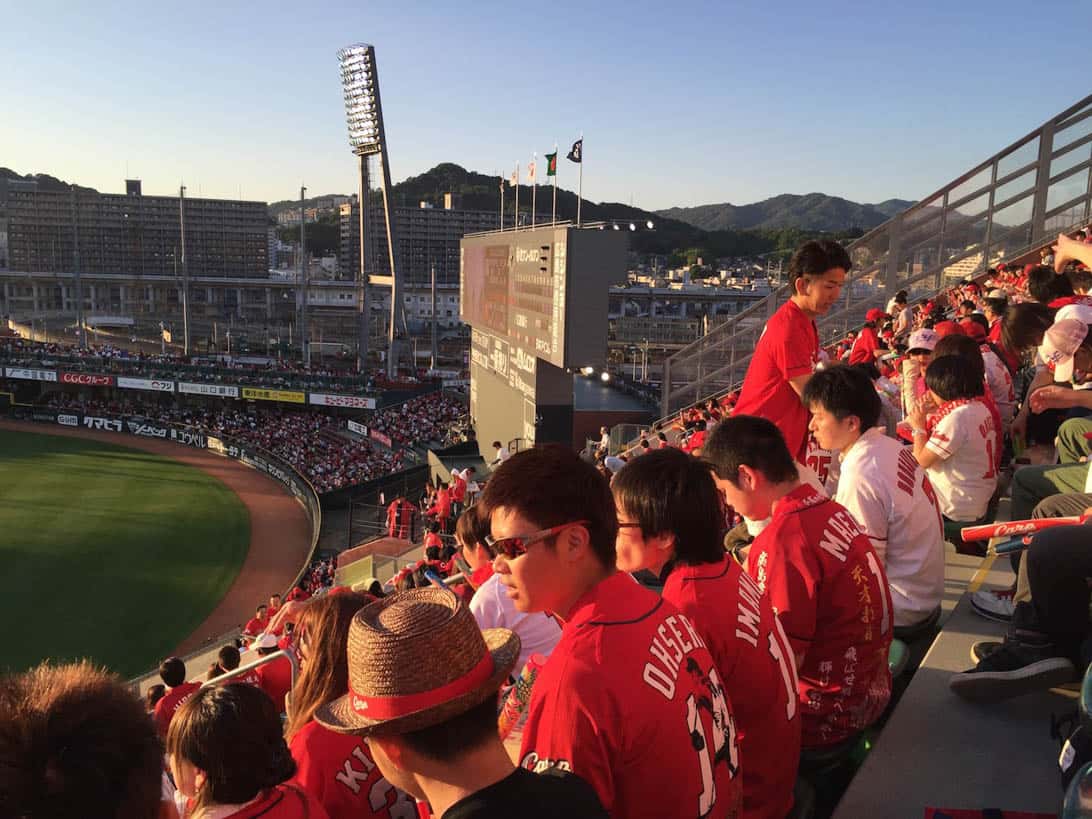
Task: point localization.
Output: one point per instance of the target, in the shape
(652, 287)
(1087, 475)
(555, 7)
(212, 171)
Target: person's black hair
(816, 257)
(433, 526)
(453, 738)
(967, 348)
(229, 658)
(869, 368)
(747, 440)
(173, 672)
(1025, 324)
(953, 377)
(968, 303)
(670, 492)
(495, 444)
(1080, 279)
(995, 305)
(844, 391)
(232, 733)
(1044, 285)
(550, 485)
(901, 297)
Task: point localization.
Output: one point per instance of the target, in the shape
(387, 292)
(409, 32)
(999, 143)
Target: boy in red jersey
(173, 673)
(788, 351)
(630, 698)
(821, 575)
(671, 521)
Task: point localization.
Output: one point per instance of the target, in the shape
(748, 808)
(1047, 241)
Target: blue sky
(680, 104)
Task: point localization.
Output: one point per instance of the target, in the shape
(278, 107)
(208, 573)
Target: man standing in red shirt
(671, 521)
(173, 673)
(820, 573)
(441, 507)
(630, 699)
(256, 624)
(788, 351)
(400, 518)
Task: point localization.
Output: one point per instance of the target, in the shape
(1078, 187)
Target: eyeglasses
(516, 545)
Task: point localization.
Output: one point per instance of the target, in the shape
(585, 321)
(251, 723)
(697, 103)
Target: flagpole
(534, 187)
(516, 223)
(553, 217)
(502, 203)
(580, 182)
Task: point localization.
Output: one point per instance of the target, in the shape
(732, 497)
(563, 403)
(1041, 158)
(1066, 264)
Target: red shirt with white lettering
(275, 679)
(828, 587)
(865, 346)
(631, 701)
(338, 770)
(165, 708)
(755, 662)
(789, 347)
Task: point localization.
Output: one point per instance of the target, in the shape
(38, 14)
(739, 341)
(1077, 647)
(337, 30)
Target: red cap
(875, 314)
(973, 329)
(948, 328)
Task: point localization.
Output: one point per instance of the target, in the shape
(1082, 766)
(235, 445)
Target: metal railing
(1038, 186)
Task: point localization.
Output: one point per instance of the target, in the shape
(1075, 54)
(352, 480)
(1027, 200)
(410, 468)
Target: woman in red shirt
(337, 769)
(229, 758)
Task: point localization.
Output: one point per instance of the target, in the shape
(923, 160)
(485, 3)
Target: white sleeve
(485, 606)
(947, 437)
(869, 509)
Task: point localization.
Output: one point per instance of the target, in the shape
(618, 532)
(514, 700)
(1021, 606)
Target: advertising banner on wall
(327, 399)
(359, 429)
(221, 390)
(87, 379)
(31, 375)
(105, 424)
(145, 429)
(383, 439)
(151, 384)
(256, 394)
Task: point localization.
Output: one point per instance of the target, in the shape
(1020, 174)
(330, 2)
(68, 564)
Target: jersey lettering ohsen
(669, 647)
(350, 777)
(749, 616)
(839, 534)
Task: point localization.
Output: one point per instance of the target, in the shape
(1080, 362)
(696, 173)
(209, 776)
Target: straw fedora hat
(417, 659)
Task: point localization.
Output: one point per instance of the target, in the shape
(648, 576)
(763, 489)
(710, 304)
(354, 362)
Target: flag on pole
(514, 179)
(166, 335)
(502, 184)
(577, 152)
(531, 170)
(551, 164)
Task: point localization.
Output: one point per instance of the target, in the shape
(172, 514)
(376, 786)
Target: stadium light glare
(649, 224)
(632, 226)
(588, 370)
(605, 377)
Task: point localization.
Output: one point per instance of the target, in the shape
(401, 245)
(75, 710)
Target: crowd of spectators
(756, 665)
(429, 417)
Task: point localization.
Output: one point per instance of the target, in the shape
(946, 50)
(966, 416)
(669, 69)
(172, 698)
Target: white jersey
(492, 608)
(891, 497)
(999, 381)
(964, 439)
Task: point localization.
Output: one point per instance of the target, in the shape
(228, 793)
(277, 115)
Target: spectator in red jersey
(868, 347)
(400, 514)
(788, 351)
(274, 607)
(671, 521)
(458, 492)
(337, 769)
(441, 506)
(230, 761)
(697, 438)
(822, 577)
(299, 592)
(623, 651)
(256, 624)
(228, 659)
(152, 696)
(423, 681)
(434, 544)
(76, 742)
(275, 677)
(173, 673)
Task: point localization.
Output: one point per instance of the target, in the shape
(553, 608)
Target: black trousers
(1059, 566)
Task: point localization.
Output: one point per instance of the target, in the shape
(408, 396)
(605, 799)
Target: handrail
(220, 679)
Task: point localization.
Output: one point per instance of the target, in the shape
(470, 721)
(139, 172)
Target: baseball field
(109, 552)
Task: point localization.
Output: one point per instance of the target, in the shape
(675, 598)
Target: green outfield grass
(108, 552)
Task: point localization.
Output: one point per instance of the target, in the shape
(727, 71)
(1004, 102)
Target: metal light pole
(185, 272)
(81, 332)
(434, 320)
(304, 283)
(363, 304)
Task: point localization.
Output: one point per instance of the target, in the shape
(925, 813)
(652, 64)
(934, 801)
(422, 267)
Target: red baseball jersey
(755, 662)
(169, 703)
(338, 770)
(789, 347)
(275, 679)
(829, 590)
(285, 801)
(631, 701)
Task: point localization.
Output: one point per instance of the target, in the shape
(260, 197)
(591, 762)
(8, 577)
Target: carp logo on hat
(417, 659)
(922, 340)
(1060, 344)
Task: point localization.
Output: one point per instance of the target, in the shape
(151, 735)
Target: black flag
(577, 152)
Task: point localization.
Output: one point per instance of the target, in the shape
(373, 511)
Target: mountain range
(812, 211)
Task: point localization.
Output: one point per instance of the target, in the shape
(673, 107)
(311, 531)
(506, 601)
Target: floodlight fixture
(605, 377)
(362, 112)
(649, 224)
(632, 226)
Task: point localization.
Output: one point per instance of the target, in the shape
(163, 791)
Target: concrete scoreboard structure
(536, 301)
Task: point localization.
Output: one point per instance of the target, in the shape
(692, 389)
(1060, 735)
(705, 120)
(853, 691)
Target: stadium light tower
(364, 114)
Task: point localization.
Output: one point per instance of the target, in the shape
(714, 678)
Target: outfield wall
(254, 457)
